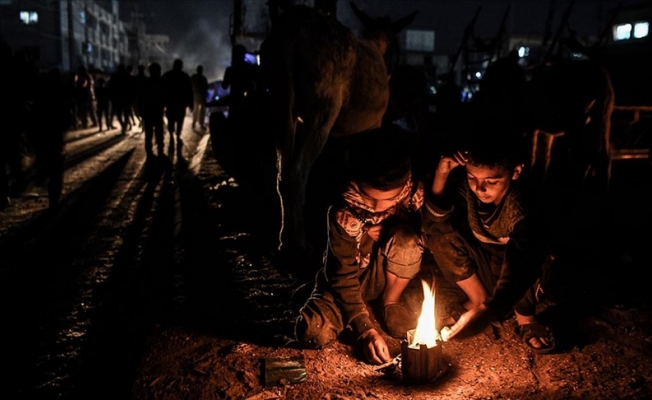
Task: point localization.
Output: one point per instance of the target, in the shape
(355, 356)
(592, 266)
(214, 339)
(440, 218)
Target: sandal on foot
(537, 330)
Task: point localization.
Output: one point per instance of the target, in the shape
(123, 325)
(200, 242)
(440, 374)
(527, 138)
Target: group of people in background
(42, 105)
(101, 99)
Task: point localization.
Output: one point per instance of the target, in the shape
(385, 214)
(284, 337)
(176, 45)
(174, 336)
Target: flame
(426, 333)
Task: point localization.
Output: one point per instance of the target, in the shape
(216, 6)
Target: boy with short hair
(487, 237)
(375, 247)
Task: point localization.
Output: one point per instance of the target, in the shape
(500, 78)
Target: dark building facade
(65, 33)
(628, 54)
(69, 33)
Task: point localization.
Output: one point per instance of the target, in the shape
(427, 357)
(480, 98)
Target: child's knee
(313, 334)
(404, 251)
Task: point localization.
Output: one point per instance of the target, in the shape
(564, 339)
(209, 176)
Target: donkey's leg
(294, 185)
(311, 136)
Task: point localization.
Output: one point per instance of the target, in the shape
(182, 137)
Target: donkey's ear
(364, 18)
(402, 23)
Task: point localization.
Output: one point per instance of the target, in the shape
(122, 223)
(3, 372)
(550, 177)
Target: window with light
(28, 17)
(641, 30)
(622, 32)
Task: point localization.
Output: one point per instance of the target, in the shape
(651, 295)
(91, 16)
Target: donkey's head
(382, 31)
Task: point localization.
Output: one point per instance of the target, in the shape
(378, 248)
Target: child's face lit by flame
(490, 184)
(379, 200)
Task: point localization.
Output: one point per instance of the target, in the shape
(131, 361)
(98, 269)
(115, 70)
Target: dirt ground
(236, 311)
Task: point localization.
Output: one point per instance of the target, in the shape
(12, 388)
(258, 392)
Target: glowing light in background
(198, 32)
(641, 29)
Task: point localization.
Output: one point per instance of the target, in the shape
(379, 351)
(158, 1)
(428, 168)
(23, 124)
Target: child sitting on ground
(487, 238)
(375, 247)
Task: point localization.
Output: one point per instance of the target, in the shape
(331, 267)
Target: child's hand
(470, 323)
(447, 163)
(374, 231)
(374, 347)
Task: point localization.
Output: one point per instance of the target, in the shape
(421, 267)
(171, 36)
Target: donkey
(323, 81)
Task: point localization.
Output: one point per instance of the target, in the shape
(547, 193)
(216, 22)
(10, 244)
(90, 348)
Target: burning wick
(425, 332)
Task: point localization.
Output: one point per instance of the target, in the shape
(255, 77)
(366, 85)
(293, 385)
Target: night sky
(198, 29)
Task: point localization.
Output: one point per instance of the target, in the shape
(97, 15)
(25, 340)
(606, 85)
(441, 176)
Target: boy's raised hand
(374, 347)
(447, 163)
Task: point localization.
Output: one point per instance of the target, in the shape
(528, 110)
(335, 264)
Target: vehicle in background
(216, 100)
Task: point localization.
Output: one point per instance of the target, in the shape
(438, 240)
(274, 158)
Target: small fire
(426, 333)
(421, 355)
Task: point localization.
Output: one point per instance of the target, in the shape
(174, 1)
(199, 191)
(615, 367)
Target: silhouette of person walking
(179, 96)
(131, 97)
(120, 96)
(246, 111)
(139, 87)
(83, 96)
(15, 79)
(103, 104)
(153, 107)
(200, 91)
(241, 79)
(50, 118)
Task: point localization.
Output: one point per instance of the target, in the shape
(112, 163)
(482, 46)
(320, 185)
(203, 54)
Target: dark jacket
(350, 248)
(178, 86)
